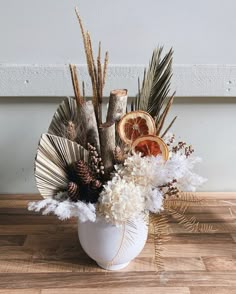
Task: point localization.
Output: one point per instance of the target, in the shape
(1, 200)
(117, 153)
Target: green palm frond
(156, 83)
(54, 162)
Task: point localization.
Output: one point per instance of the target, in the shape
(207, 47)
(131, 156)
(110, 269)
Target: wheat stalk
(75, 83)
(97, 75)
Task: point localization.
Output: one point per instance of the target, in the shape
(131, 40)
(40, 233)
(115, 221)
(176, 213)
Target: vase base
(113, 267)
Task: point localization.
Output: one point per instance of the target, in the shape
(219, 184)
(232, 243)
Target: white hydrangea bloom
(121, 200)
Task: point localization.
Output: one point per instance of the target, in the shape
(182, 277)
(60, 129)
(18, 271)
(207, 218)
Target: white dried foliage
(65, 209)
(135, 185)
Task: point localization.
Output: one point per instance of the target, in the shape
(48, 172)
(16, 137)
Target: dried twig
(162, 118)
(105, 69)
(168, 128)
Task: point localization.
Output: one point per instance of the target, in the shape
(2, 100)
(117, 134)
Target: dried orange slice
(135, 124)
(151, 145)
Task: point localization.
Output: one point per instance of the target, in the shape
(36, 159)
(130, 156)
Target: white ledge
(54, 80)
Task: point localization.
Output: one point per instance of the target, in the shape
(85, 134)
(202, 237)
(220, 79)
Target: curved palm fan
(54, 163)
(65, 122)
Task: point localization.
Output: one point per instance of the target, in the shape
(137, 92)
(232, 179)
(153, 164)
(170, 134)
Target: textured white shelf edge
(54, 80)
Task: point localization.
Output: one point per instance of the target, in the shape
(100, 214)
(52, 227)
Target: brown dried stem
(105, 69)
(170, 125)
(75, 83)
(99, 82)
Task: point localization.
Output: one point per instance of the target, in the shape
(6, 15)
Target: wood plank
(212, 290)
(190, 238)
(17, 240)
(8, 203)
(83, 264)
(17, 211)
(220, 263)
(183, 264)
(197, 250)
(15, 252)
(220, 227)
(28, 229)
(216, 195)
(20, 291)
(234, 237)
(32, 197)
(36, 229)
(219, 202)
(151, 290)
(113, 279)
(32, 219)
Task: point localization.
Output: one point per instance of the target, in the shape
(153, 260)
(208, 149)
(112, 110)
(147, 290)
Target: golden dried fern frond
(159, 231)
(177, 207)
(190, 223)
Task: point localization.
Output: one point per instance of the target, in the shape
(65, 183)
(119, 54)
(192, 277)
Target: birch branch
(117, 105)
(87, 114)
(108, 144)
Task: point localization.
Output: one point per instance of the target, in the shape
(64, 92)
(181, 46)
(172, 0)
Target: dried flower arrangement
(117, 169)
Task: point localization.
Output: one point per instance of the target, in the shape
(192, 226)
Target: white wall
(46, 33)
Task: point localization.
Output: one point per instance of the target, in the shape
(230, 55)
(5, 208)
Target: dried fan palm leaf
(66, 123)
(53, 164)
(159, 231)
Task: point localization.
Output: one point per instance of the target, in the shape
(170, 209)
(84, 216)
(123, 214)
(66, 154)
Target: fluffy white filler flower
(134, 186)
(65, 209)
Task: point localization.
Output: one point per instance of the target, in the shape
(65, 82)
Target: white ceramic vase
(113, 247)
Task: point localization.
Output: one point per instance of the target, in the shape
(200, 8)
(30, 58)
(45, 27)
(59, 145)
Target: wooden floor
(40, 254)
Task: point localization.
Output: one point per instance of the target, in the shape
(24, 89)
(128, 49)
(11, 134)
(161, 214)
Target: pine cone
(83, 172)
(88, 194)
(96, 184)
(73, 191)
(119, 155)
